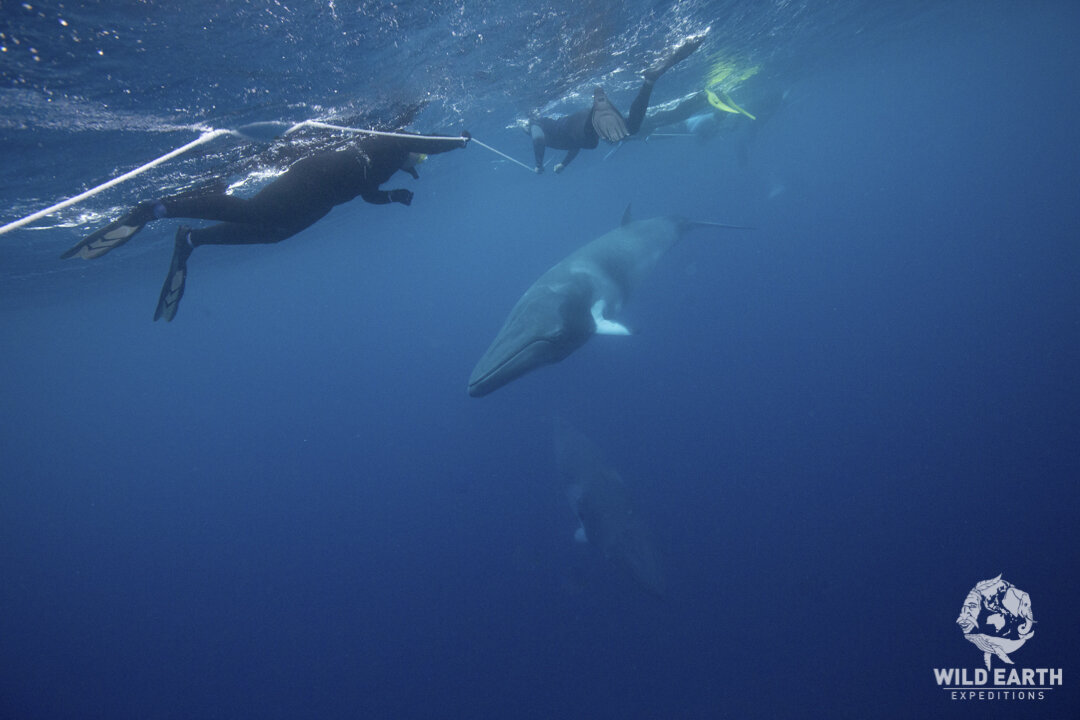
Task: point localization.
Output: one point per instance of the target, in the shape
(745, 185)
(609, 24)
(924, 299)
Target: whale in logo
(996, 617)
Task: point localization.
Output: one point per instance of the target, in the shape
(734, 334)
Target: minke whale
(577, 298)
(607, 517)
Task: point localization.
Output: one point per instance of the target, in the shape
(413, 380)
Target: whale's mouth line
(507, 361)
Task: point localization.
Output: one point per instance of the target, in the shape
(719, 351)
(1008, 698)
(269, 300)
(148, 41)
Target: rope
(516, 162)
(202, 139)
(340, 128)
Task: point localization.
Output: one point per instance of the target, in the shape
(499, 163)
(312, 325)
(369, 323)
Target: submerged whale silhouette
(576, 298)
(607, 516)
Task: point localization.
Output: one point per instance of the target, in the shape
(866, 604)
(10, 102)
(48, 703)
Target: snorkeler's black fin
(111, 236)
(173, 289)
(606, 119)
(685, 50)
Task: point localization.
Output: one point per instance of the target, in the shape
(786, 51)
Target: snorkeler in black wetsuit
(584, 129)
(302, 195)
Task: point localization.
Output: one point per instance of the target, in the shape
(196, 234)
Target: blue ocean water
(283, 504)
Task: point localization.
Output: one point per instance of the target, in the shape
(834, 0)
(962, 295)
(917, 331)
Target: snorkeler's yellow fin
(726, 104)
(719, 104)
(732, 104)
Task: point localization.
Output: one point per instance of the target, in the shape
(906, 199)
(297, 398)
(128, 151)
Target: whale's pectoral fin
(603, 325)
(986, 659)
(1001, 656)
(609, 327)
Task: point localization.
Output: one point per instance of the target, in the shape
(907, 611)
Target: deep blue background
(283, 504)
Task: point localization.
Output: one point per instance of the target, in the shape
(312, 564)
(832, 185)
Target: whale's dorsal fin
(626, 218)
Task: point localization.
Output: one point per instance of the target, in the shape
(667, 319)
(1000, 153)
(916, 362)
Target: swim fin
(173, 289)
(685, 50)
(606, 120)
(726, 104)
(719, 104)
(111, 236)
(731, 103)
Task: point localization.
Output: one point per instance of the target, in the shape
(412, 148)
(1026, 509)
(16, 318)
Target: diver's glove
(466, 136)
(539, 169)
(558, 168)
(402, 196)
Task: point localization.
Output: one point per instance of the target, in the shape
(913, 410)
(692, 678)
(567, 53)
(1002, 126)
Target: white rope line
(204, 138)
(361, 131)
(517, 162)
(340, 128)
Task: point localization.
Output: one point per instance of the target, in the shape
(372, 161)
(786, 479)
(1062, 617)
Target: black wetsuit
(570, 132)
(304, 193)
(575, 132)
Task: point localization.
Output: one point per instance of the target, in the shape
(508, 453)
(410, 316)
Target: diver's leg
(292, 202)
(197, 205)
(230, 233)
(539, 142)
(300, 193)
(638, 107)
(641, 102)
(220, 207)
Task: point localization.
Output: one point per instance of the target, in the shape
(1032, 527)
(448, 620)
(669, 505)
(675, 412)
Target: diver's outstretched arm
(434, 144)
(570, 155)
